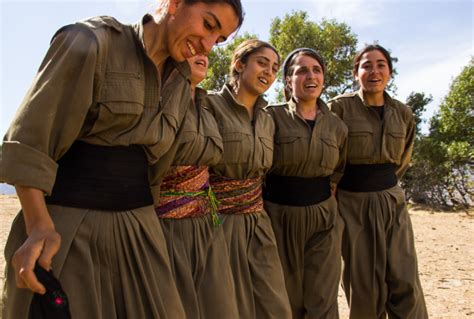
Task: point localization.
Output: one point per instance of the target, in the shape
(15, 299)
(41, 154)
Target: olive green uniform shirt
(380, 264)
(200, 142)
(372, 140)
(302, 151)
(95, 87)
(248, 143)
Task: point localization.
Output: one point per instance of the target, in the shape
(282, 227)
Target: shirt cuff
(23, 165)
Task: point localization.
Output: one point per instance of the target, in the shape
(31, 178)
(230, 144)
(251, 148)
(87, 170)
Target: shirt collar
(138, 29)
(387, 98)
(227, 93)
(322, 107)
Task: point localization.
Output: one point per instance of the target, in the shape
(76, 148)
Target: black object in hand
(53, 304)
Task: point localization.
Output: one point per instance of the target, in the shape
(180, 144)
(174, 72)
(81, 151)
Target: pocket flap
(267, 142)
(359, 128)
(124, 88)
(217, 140)
(329, 140)
(397, 134)
(124, 107)
(187, 136)
(233, 136)
(286, 139)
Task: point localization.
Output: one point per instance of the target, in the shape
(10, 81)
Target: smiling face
(259, 71)
(373, 72)
(196, 28)
(199, 64)
(306, 79)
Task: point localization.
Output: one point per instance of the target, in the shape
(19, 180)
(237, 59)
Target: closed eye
(208, 25)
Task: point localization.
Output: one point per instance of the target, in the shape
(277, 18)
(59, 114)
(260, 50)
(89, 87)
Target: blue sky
(433, 40)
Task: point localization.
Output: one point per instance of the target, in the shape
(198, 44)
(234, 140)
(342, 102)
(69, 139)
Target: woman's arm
(47, 123)
(42, 243)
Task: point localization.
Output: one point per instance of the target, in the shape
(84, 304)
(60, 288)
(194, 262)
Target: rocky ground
(444, 243)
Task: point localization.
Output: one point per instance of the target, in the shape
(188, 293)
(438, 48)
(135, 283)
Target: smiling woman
(197, 27)
(377, 245)
(115, 95)
(188, 216)
(247, 135)
(308, 157)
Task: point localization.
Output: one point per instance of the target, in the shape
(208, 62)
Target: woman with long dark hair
(104, 107)
(309, 156)
(188, 212)
(380, 274)
(247, 133)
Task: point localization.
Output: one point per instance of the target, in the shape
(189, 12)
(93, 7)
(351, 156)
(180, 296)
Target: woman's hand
(43, 241)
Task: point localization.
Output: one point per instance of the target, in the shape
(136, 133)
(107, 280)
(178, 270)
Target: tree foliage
(441, 173)
(219, 63)
(456, 120)
(334, 41)
(418, 102)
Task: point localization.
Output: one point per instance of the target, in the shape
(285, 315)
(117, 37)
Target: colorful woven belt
(185, 192)
(236, 196)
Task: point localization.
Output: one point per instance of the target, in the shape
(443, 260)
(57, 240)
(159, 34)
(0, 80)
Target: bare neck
(375, 99)
(246, 99)
(307, 109)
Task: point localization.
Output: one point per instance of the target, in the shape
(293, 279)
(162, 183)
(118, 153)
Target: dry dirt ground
(444, 243)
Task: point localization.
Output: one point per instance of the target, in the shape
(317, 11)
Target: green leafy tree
(334, 41)
(415, 179)
(219, 63)
(417, 102)
(453, 129)
(441, 173)
(456, 115)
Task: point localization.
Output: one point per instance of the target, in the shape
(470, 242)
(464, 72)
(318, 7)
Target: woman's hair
(368, 48)
(289, 65)
(242, 54)
(235, 4)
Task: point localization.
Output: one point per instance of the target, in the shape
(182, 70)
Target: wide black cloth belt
(368, 177)
(111, 178)
(296, 191)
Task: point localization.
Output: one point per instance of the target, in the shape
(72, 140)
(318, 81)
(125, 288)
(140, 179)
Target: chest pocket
(120, 107)
(291, 147)
(237, 146)
(360, 140)
(330, 152)
(395, 144)
(267, 152)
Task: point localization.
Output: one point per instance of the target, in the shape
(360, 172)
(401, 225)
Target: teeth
(310, 86)
(264, 81)
(191, 48)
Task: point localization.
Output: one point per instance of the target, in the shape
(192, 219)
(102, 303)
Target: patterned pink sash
(185, 192)
(238, 196)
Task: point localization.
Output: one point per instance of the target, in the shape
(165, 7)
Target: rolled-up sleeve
(53, 111)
